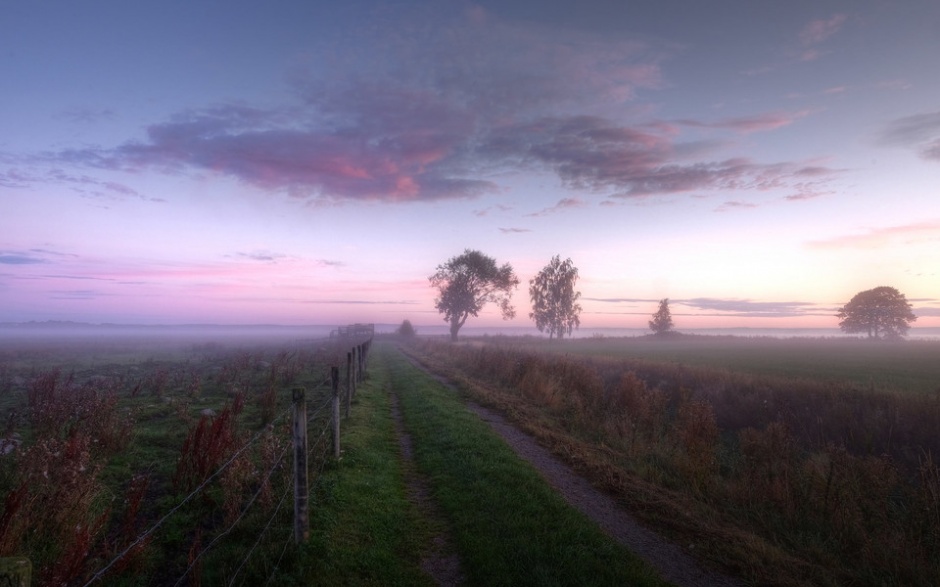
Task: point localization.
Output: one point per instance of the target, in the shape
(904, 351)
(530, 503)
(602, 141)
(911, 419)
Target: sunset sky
(301, 162)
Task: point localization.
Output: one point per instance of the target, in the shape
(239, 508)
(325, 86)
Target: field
(167, 462)
(790, 462)
(912, 366)
(149, 461)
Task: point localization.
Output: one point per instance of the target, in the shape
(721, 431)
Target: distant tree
(406, 329)
(554, 300)
(882, 312)
(662, 319)
(468, 282)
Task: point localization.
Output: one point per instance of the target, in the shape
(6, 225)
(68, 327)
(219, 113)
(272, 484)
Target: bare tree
(882, 312)
(662, 319)
(554, 300)
(468, 282)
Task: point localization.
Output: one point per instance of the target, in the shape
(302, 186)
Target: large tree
(554, 300)
(662, 319)
(468, 282)
(882, 312)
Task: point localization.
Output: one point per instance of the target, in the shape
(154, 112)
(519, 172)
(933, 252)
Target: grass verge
(363, 529)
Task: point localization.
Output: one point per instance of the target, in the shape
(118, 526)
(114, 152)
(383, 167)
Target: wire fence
(324, 417)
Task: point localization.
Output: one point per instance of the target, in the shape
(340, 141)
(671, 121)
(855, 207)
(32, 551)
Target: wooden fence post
(334, 376)
(348, 381)
(359, 363)
(301, 515)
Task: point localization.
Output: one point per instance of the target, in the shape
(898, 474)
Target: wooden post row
(334, 376)
(348, 381)
(359, 364)
(301, 514)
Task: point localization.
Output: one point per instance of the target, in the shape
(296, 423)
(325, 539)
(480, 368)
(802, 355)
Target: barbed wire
(144, 535)
(287, 491)
(185, 500)
(241, 515)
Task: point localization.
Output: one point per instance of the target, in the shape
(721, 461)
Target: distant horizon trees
(661, 322)
(468, 282)
(882, 313)
(554, 300)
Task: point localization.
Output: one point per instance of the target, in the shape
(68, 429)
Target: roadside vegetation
(817, 478)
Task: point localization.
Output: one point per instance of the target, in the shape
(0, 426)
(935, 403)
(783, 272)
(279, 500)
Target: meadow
(143, 461)
(788, 462)
(146, 461)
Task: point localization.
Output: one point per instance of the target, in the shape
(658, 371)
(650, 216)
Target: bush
(406, 329)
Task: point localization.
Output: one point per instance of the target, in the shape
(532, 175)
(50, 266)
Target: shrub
(406, 330)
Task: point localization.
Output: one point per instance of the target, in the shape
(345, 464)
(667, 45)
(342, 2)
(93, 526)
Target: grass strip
(363, 529)
(508, 525)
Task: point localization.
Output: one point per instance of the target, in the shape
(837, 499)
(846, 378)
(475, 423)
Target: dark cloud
(593, 153)
(363, 302)
(754, 309)
(730, 307)
(920, 132)
(514, 230)
(82, 277)
(264, 256)
(563, 204)
(19, 259)
(85, 115)
(75, 294)
(443, 105)
(620, 300)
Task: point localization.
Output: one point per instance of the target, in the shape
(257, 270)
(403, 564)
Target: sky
(301, 162)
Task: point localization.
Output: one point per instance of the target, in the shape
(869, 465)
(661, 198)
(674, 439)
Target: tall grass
(108, 446)
(842, 478)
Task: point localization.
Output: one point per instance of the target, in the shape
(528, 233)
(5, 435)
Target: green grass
(509, 526)
(364, 531)
(909, 366)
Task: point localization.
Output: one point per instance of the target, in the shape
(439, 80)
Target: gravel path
(674, 564)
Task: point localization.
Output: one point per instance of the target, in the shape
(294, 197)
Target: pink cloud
(916, 233)
(735, 205)
(817, 31)
(749, 124)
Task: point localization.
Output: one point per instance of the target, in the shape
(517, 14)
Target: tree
(406, 330)
(554, 301)
(662, 319)
(468, 282)
(882, 312)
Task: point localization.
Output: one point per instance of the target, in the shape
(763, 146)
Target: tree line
(469, 281)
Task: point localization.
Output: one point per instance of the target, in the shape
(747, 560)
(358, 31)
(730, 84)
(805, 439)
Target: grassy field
(116, 446)
(814, 478)
(114, 454)
(882, 366)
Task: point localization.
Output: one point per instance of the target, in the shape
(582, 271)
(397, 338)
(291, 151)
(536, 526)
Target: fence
(325, 416)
